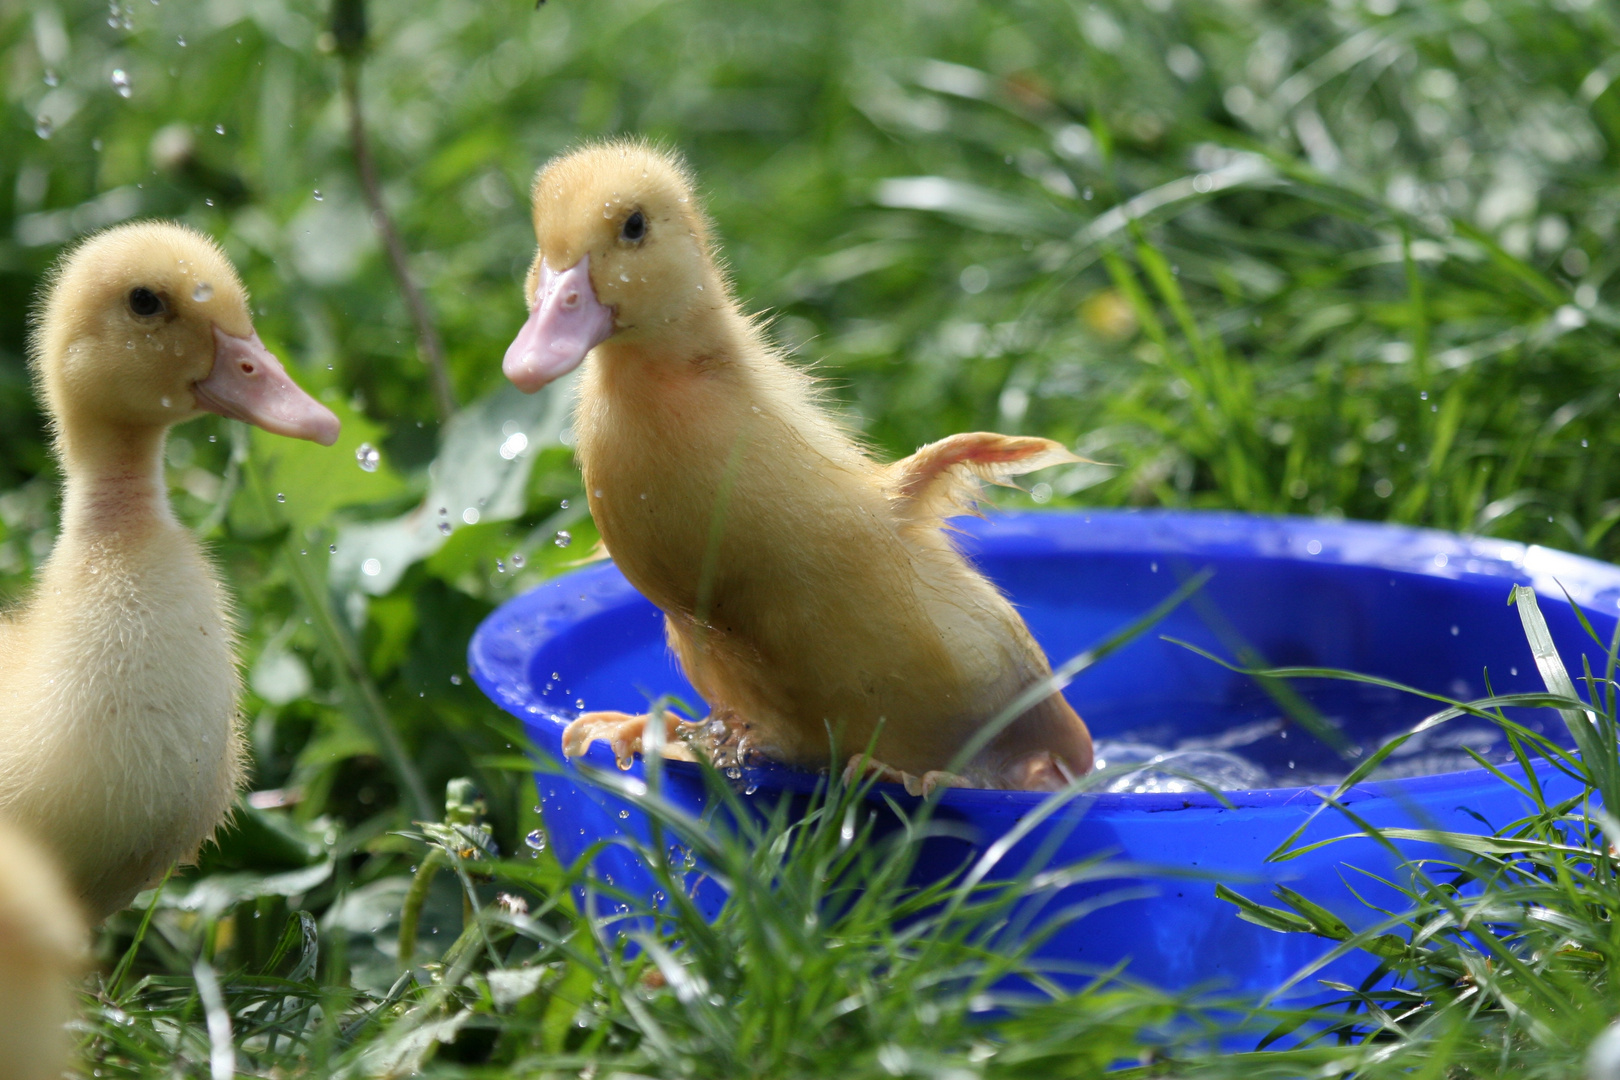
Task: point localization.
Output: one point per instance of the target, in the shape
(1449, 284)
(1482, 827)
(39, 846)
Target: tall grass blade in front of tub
(1502, 961)
(826, 960)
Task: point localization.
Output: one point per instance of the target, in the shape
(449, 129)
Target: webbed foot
(861, 766)
(624, 733)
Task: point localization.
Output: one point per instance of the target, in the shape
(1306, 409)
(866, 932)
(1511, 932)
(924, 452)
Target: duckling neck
(114, 479)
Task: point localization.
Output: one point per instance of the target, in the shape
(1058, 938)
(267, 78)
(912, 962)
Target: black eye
(143, 301)
(634, 228)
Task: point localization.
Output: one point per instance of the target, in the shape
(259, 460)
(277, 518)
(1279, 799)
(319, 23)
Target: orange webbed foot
(860, 766)
(1036, 771)
(624, 733)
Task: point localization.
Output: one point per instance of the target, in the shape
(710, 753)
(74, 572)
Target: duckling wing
(942, 479)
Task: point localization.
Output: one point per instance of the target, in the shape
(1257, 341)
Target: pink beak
(567, 322)
(248, 383)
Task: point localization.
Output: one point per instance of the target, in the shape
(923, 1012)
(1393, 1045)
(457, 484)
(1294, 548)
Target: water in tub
(1137, 765)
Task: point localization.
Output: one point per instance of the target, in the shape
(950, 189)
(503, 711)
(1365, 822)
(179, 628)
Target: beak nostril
(571, 300)
(247, 369)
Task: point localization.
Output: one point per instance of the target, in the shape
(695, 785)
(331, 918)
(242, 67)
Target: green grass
(1339, 259)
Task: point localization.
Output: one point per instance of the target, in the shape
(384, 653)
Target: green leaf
(1284, 922)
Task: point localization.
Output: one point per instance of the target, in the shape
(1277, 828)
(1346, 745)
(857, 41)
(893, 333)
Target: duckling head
(147, 324)
(625, 253)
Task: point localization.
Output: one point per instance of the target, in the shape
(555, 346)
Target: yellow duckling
(806, 587)
(120, 746)
(42, 949)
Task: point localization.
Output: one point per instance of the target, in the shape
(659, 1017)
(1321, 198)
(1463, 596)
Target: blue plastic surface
(1421, 607)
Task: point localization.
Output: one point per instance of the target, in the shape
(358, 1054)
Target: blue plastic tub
(1425, 608)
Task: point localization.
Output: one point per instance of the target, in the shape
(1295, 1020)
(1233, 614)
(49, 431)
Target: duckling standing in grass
(806, 588)
(120, 746)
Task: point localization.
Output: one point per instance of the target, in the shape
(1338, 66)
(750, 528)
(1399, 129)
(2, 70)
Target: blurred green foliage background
(1348, 258)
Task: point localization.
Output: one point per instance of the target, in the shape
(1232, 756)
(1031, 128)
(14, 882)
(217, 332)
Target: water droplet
(455, 680)
(624, 815)
(332, 549)
(444, 527)
(180, 40)
(734, 773)
(517, 560)
(371, 567)
(281, 496)
(213, 438)
(535, 841)
(317, 195)
(52, 78)
(470, 515)
(44, 126)
(219, 129)
(120, 81)
(514, 445)
(579, 703)
(565, 504)
(564, 538)
(203, 293)
(750, 789)
(166, 402)
(500, 567)
(367, 457)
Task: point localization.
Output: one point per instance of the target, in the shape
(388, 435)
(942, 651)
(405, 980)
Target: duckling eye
(143, 301)
(635, 228)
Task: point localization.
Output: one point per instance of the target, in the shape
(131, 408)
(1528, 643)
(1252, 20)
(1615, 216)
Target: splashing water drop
(367, 457)
(120, 81)
(203, 293)
(564, 538)
(515, 444)
(44, 126)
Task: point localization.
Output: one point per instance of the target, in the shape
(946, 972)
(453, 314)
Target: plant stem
(427, 335)
(410, 913)
(349, 664)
